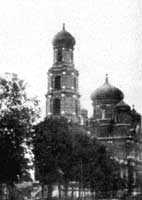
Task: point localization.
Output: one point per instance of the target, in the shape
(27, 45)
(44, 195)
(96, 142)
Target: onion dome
(63, 39)
(108, 93)
(122, 106)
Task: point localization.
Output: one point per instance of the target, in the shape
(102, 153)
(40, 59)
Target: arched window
(56, 106)
(59, 55)
(57, 83)
(76, 106)
(75, 83)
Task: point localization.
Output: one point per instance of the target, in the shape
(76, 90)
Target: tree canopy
(17, 115)
(64, 152)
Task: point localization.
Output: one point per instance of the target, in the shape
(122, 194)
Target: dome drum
(104, 101)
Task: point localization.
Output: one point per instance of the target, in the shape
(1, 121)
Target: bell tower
(62, 97)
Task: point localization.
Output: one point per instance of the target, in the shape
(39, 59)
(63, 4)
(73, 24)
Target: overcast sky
(108, 37)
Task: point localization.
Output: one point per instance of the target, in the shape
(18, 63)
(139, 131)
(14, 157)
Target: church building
(114, 123)
(118, 127)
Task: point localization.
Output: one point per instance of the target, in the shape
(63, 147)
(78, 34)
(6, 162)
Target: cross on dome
(106, 80)
(63, 26)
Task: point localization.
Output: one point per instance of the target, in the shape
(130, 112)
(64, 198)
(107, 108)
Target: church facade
(114, 123)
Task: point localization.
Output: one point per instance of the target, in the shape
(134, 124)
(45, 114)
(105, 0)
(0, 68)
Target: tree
(64, 152)
(17, 115)
(103, 172)
(93, 167)
(52, 151)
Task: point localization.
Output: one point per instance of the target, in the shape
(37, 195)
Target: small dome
(123, 106)
(63, 39)
(107, 92)
(135, 114)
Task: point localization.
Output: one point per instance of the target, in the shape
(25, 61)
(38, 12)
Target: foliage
(17, 115)
(64, 152)
(51, 148)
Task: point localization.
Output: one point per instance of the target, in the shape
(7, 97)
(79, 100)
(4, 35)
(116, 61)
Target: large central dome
(107, 92)
(63, 39)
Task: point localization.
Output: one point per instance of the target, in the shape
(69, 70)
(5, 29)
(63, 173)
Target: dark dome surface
(123, 106)
(63, 39)
(107, 92)
(135, 114)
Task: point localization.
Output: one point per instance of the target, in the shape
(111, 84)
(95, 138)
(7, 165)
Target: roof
(63, 39)
(107, 91)
(123, 106)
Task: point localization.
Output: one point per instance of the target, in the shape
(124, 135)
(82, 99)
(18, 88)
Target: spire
(63, 26)
(106, 80)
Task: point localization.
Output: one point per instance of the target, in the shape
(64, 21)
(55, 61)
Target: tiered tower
(62, 97)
